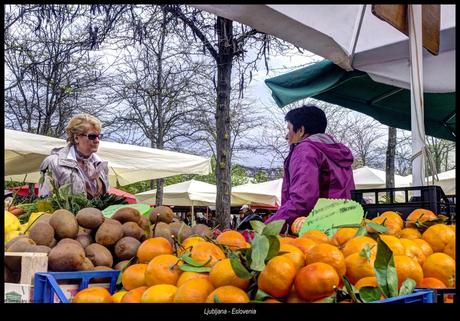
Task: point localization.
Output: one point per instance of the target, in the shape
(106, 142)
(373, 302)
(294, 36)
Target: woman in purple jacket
(317, 165)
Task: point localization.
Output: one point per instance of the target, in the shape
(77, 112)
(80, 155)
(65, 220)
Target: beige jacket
(64, 168)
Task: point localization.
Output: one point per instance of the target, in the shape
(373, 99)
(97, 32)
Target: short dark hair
(312, 118)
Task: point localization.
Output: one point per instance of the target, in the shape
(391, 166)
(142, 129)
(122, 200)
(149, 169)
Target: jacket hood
(335, 151)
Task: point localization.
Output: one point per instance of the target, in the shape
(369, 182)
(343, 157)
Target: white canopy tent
(267, 193)
(446, 181)
(353, 38)
(367, 178)
(128, 164)
(190, 193)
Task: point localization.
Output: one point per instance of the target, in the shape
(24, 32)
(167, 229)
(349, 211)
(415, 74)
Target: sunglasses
(93, 136)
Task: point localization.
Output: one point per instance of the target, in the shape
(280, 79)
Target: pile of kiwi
(83, 242)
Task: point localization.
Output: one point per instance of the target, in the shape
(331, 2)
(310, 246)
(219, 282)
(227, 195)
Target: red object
(248, 235)
(24, 191)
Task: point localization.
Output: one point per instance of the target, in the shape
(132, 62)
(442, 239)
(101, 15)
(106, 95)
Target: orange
(222, 274)
(410, 233)
(432, 283)
(329, 254)
(411, 249)
(424, 246)
(271, 300)
(438, 236)
(316, 281)
(163, 269)
(293, 297)
(296, 226)
(227, 294)
(153, 247)
(204, 251)
(367, 281)
(134, 295)
(355, 245)
(358, 267)
(160, 293)
(305, 244)
(294, 254)
(440, 266)
(286, 239)
(393, 243)
(186, 276)
(407, 267)
(343, 235)
(317, 236)
(117, 296)
(193, 291)
(134, 276)
(93, 295)
(277, 277)
(419, 214)
(233, 239)
(393, 216)
(188, 244)
(392, 225)
(450, 248)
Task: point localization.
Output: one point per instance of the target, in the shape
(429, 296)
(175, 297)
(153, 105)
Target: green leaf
(260, 246)
(257, 226)
(407, 287)
(329, 299)
(216, 299)
(261, 295)
(379, 228)
(239, 268)
(385, 270)
(187, 259)
(273, 246)
(366, 252)
(349, 289)
(369, 294)
(273, 228)
(191, 268)
(362, 231)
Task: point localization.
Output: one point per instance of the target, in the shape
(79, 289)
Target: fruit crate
(418, 296)
(402, 200)
(444, 295)
(47, 287)
(31, 263)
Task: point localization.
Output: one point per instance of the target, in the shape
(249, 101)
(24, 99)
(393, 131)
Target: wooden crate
(31, 263)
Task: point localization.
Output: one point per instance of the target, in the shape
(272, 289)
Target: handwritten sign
(329, 215)
(144, 209)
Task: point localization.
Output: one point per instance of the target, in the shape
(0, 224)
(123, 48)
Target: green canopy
(356, 90)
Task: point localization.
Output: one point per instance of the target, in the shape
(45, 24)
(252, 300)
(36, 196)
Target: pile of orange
(308, 268)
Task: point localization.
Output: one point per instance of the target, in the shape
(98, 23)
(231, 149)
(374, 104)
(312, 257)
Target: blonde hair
(76, 126)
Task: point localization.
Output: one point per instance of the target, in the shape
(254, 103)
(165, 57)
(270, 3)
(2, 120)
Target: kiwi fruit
(162, 214)
(99, 255)
(53, 243)
(109, 232)
(126, 248)
(44, 218)
(144, 222)
(64, 223)
(180, 230)
(85, 239)
(41, 233)
(134, 230)
(87, 265)
(67, 241)
(14, 239)
(21, 245)
(101, 280)
(41, 249)
(121, 265)
(163, 230)
(202, 230)
(66, 257)
(90, 218)
(127, 214)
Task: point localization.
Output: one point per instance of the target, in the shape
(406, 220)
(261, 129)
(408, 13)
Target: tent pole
(416, 81)
(193, 215)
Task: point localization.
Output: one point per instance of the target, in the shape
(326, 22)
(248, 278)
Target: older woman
(77, 164)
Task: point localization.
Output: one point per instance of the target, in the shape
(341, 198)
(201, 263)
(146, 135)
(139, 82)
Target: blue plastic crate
(440, 294)
(418, 296)
(46, 286)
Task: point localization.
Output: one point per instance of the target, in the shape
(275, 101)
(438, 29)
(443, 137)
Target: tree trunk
(390, 158)
(159, 196)
(223, 166)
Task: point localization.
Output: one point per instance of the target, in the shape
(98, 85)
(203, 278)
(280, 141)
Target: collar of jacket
(67, 157)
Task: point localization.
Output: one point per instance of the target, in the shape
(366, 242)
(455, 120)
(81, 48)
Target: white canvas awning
(189, 193)
(128, 164)
(268, 193)
(369, 178)
(446, 181)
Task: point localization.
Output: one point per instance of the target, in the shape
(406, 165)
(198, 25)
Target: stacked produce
(383, 257)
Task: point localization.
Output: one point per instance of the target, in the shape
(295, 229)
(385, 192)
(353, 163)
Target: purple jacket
(316, 167)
